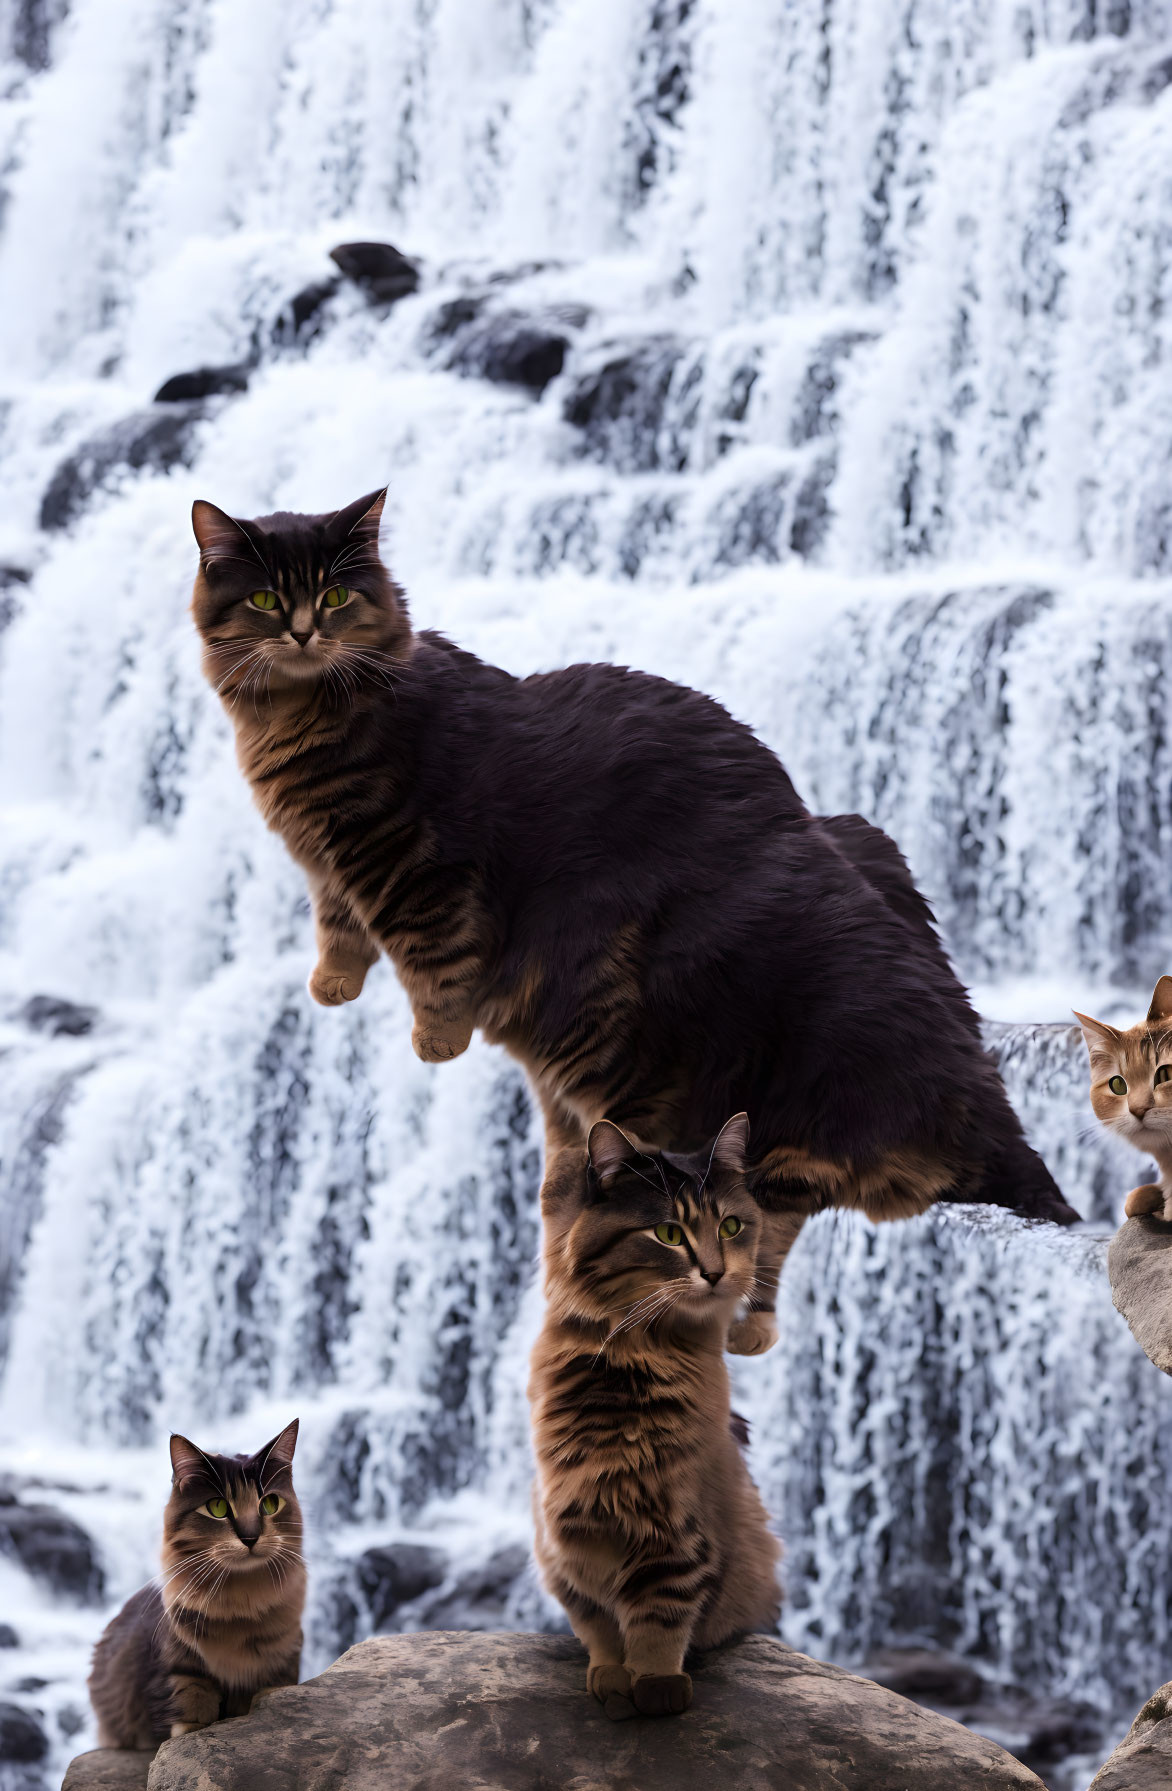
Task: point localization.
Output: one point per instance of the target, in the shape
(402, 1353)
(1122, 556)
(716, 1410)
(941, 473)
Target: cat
(612, 878)
(1131, 1092)
(649, 1530)
(225, 1620)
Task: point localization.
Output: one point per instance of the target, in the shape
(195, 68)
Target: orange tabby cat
(1131, 1092)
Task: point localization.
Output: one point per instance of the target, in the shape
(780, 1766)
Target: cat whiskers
(649, 1308)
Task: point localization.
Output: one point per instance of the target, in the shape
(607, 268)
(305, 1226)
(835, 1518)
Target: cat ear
(1161, 1008)
(732, 1142)
(1101, 1039)
(361, 518)
(609, 1149)
(188, 1462)
(219, 535)
(278, 1454)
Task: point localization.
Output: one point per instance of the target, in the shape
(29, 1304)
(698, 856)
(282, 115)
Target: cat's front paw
(603, 1682)
(330, 988)
(662, 1694)
(1146, 1200)
(436, 1042)
(752, 1335)
(178, 1729)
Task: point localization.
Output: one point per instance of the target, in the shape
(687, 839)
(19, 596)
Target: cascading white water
(862, 426)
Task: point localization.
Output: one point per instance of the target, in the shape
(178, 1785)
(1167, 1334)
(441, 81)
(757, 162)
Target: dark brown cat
(612, 878)
(226, 1619)
(649, 1530)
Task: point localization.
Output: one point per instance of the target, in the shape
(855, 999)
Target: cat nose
(712, 1276)
(1138, 1112)
(248, 1539)
(301, 635)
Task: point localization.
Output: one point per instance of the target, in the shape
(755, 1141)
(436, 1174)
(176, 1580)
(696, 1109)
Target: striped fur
(614, 879)
(650, 1532)
(225, 1619)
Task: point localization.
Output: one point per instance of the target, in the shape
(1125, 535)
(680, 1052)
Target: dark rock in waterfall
(155, 440)
(12, 578)
(926, 1673)
(24, 1174)
(815, 411)
(478, 1598)
(8, 1636)
(52, 1014)
(394, 1575)
(381, 271)
(811, 512)
(31, 31)
(21, 1736)
(454, 315)
(510, 350)
(52, 1548)
(204, 382)
(749, 523)
(636, 408)
(427, 1709)
(300, 320)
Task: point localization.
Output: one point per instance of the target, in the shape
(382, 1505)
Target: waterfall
(812, 352)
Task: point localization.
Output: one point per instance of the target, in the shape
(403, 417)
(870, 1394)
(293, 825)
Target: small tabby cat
(226, 1618)
(1131, 1092)
(650, 1531)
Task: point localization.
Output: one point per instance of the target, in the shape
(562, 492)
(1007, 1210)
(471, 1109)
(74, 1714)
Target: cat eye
(669, 1234)
(271, 1504)
(1117, 1085)
(337, 597)
(730, 1226)
(1164, 1073)
(217, 1507)
(263, 600)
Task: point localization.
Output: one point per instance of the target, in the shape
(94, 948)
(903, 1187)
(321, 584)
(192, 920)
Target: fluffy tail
(1015, 1176)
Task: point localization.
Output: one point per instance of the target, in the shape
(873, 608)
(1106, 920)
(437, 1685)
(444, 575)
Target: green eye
(263, 600)
(1117, 1085)
(217, 1507)
(270, 1504)
(337, 597)
(669, 1234)
(730, 1226)
(1164, 1073)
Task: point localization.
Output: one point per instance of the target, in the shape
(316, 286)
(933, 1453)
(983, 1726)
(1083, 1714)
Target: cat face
(287, 602)
(1131, 1073)
(663, 1241)
(234, 1514)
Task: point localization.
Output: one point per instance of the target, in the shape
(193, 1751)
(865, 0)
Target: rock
(51, 1014)
(1143, 1759)
(156, 439)
(300, 320)
(1139, 1265)
(478, 1598)
(926, 1674)
(8, 1636)
(511, 1713)
(11, 580)
(380, 270)
(204, 382)
(52, 1548)
(21, 1735)
(393, 1576)
(632, 407)
(108, 1769)
(511, 350)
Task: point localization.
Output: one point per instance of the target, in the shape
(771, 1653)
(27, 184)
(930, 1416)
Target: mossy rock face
(437, 1710)
(1139, 1264)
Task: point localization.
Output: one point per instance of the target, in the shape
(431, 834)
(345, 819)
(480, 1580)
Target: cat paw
(1146, 1200)
(330, 988)
(178, 1729)
(607, 1681)
(662, 1694)
(752, 1335)
(439, 1044)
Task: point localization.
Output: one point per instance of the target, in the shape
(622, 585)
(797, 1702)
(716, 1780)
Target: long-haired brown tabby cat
(1131, 1092)
(226, 1619)
(612, 878)
(650, 1531)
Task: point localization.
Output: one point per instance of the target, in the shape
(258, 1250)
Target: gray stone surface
(1143, 1759)
(108, 1769)
(1139, 1264)
(484, 1712)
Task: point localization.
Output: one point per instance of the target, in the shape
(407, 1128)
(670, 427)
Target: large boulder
(155, 439)
(51, 1547)
(1139, 1265)
(380, 270)
(21, 1736)
(1143, 1759)
(108, 1769)
(483, 1711)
